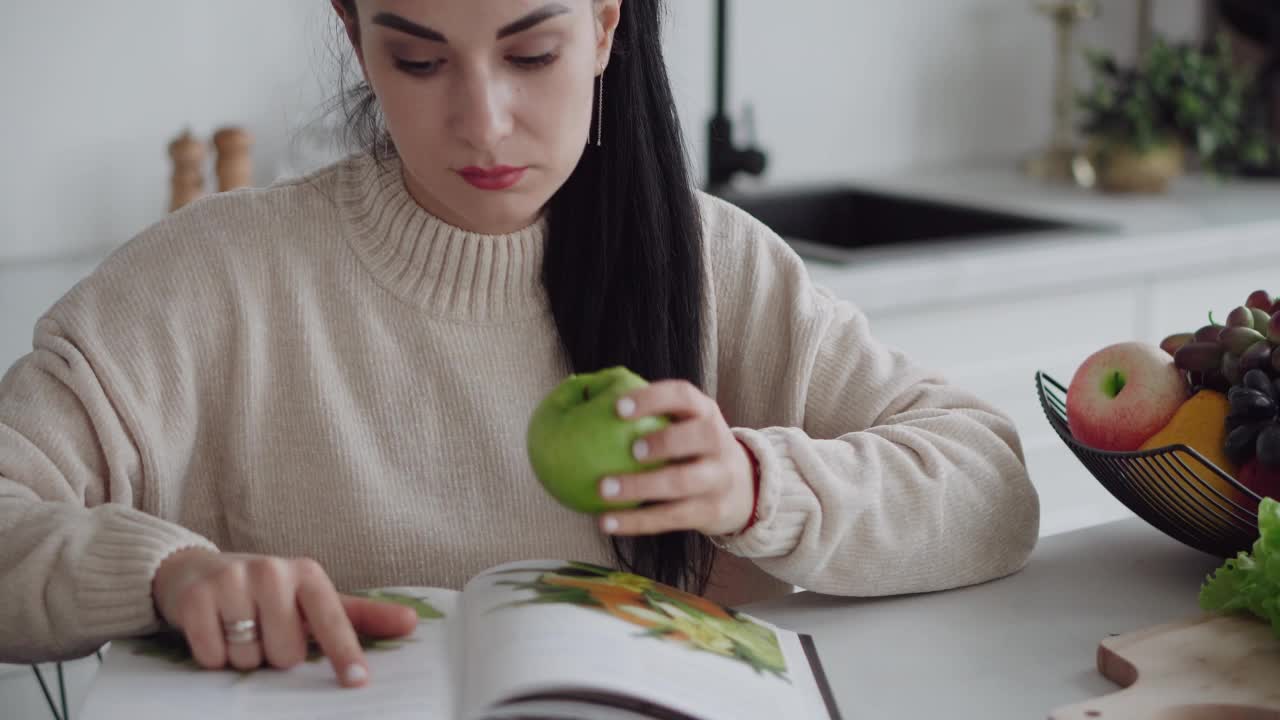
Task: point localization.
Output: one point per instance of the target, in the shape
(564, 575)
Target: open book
(532, 639)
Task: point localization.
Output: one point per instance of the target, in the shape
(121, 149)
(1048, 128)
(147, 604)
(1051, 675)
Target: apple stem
(1113, 384)
(586, 393)
(1211, 320)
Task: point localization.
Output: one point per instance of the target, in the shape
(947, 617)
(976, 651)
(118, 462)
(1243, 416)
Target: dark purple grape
(1275, 360)
(1210, 333)
(1273, 328)
(1230, 367)
(1267, 446)
(1239, 339)
(1275, 387)
(1259, 299)
(1242, 442)
(1247, 404)
(1256, 357)
(1240, 317)
(1198, 356)
(1258, 380)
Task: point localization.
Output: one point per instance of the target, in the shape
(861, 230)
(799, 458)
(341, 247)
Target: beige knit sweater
(322, 368)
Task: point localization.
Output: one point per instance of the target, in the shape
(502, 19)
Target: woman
(340, 368)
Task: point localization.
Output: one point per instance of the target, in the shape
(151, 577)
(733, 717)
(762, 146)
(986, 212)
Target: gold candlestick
(1061, 160)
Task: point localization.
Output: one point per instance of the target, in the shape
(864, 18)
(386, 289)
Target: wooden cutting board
(1219, 667)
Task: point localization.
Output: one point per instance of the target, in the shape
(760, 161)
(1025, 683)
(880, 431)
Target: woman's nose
(482, 112)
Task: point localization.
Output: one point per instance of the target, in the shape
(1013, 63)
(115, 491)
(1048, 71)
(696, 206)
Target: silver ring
(240, 632)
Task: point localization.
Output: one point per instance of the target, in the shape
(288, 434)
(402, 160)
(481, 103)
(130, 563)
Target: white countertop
(1193, 202)
(1018, 647)
(1128, 235)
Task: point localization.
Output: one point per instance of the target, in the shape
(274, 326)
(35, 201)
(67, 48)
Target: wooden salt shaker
(187, 180)
(235, 165)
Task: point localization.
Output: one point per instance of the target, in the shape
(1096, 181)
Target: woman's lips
(500, 177)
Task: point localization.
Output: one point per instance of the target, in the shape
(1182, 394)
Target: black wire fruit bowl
(1173, 488)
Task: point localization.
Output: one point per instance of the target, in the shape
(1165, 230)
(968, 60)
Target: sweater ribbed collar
(447, 271)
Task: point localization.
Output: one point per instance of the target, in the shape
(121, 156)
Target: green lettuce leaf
(1250, 582)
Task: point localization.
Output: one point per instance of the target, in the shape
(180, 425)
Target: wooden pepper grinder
(235, 165)
(187, 181)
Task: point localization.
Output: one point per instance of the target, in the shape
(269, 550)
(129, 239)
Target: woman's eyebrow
(542, 14)
(404, 25)
(407, 26)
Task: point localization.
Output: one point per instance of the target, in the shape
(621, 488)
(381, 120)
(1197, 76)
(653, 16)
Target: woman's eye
(531, 62)
(415, 67)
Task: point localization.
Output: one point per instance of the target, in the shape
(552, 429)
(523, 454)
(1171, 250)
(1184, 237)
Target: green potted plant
(1143, 121)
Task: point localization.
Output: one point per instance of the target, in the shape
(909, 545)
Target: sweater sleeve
(78, 554)
(877, 476)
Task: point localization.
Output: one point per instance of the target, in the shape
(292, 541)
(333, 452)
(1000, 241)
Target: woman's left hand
(707, 484)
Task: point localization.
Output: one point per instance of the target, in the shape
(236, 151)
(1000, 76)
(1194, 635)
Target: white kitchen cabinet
(994, 337)
(994, 347)
(27, 289)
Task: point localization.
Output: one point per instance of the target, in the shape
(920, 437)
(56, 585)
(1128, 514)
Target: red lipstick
(499, 177)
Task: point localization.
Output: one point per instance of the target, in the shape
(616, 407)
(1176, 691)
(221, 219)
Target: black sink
(833, 222)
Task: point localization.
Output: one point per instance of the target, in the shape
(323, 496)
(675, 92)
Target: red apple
(1263, 480)
(1124, 394)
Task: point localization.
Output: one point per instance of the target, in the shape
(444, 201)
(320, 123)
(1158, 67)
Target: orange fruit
(1200, 423)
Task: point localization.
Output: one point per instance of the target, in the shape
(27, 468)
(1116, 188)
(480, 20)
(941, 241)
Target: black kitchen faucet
(724, 159)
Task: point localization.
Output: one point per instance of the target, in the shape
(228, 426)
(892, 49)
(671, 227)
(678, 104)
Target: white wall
(95, 91)
(846, 87)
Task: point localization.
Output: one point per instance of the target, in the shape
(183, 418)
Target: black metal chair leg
(62, 692)
(53, 708)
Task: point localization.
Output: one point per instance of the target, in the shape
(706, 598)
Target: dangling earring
(600, 111)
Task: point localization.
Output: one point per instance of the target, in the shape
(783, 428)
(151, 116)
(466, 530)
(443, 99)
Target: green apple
(576, 438)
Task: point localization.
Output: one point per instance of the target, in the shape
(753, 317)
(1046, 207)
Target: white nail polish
(356, 674)
(640, 449)
(626, 407)
(610, 524)
(610, 487)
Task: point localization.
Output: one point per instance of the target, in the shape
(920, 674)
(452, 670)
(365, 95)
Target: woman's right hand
(199, 591)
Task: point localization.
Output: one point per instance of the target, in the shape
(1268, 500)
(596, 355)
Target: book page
(155, 678)
(552, 630)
